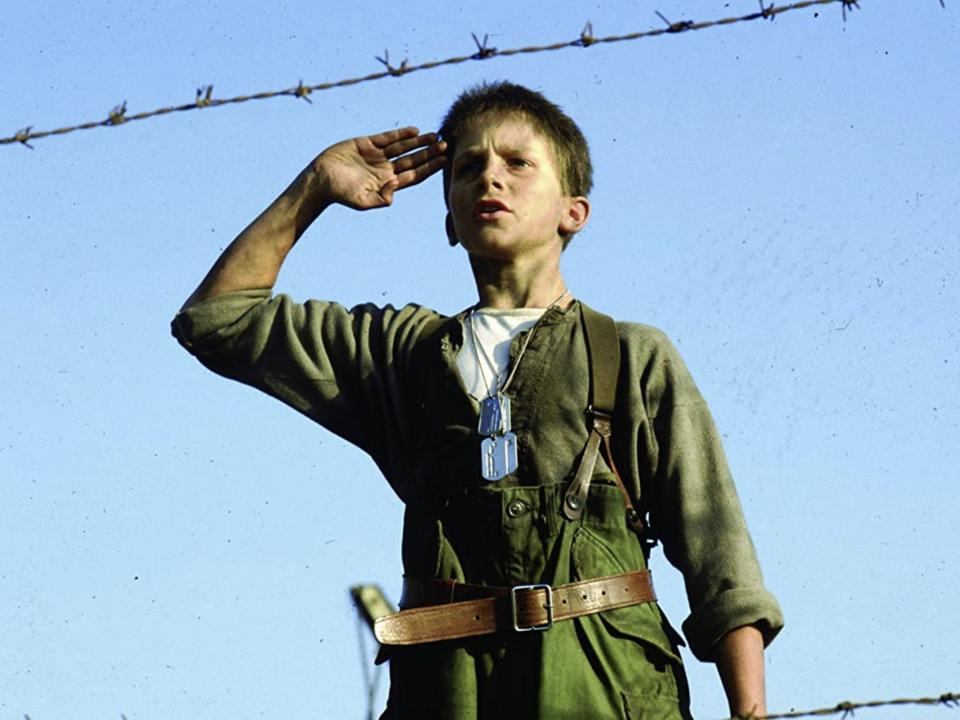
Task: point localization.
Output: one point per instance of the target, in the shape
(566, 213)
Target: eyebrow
(468, 153)
(465, 157)
(473, 152)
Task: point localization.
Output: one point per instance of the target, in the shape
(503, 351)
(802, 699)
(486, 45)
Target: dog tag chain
(498, 449)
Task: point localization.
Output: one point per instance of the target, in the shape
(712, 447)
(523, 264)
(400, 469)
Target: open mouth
(489, 208)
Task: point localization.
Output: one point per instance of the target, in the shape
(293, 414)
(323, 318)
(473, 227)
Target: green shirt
(362, 374)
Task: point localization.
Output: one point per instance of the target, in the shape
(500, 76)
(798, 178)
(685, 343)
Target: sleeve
(343, 368)
(697, 514)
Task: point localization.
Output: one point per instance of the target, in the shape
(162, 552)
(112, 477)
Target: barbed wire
(204, 95)
(847, 708)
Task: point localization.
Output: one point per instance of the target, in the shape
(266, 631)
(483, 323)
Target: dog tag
(498, 456)
(494, 415)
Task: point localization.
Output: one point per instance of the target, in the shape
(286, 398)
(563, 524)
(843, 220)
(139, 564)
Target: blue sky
(779, 197)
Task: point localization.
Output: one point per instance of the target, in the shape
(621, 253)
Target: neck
(509, 284)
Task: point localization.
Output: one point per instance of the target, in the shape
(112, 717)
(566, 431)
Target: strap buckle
(548, 606)
(602, 420)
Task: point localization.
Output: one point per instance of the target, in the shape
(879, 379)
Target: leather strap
(471, 610)
(603, 353)
(603, 359)
(575, 499)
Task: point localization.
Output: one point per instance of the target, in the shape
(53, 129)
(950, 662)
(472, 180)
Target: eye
(466, 166)
(519, 162)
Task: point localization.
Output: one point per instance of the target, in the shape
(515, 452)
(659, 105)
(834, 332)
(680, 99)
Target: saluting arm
(361, 173)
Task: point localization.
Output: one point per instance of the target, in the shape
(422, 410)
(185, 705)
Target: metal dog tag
(494, 415)
(498, 456)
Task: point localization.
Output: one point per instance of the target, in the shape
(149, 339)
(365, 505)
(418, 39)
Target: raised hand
(364, 172)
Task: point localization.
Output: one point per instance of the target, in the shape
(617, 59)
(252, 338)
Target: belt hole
(476, 617)
(603, 592)
(584, 596)
(564, 601)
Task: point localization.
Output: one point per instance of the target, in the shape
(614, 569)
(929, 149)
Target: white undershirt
(495, 329)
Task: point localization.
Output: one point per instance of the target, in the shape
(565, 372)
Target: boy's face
(505, 196)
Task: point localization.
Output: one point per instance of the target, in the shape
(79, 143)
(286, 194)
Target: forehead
(499, 128)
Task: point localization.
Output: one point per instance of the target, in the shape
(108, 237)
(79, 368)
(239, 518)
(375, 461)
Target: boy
(494, 428)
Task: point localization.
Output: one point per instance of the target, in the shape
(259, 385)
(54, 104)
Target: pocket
(642, 623)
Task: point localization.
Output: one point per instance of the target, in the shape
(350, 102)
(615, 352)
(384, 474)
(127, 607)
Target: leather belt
(458, 610)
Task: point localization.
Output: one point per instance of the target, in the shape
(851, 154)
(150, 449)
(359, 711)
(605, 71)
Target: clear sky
(780, 197)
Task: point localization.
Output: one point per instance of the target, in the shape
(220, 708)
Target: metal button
(573, 502)
(516, 508)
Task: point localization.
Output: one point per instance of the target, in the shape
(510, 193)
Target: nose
(492, 174)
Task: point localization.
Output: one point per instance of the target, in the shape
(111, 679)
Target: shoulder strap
(603, 353)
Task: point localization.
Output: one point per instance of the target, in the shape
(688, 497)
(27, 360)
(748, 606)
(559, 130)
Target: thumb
(386, 190)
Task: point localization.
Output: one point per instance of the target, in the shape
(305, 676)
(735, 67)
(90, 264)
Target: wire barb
(23, 136)
(203, 96)
(397, 71)
(483, 52)
(767, 13)
(949, 699)
(677, 27)
(117, 116)
(586, 36)
(302, 91)
(851, 4)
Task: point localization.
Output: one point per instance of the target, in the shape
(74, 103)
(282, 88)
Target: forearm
(254, 258)
(740, 664)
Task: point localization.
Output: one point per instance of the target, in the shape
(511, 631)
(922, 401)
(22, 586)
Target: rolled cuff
(205, 321)
(729, 610)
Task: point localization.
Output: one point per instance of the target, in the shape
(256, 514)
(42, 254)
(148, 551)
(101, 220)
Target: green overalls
(619, 663)
(367, 375)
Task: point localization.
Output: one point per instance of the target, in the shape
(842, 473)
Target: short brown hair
(506, 98)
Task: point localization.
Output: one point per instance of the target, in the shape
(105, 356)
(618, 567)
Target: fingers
(385, 139)
(420, 172)
(408, 162)
(402, 147)
(417, 167)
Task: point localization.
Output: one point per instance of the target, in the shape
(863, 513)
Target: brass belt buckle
(548, 606)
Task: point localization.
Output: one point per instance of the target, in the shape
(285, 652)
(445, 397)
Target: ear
(576, 215)
(451, 233)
